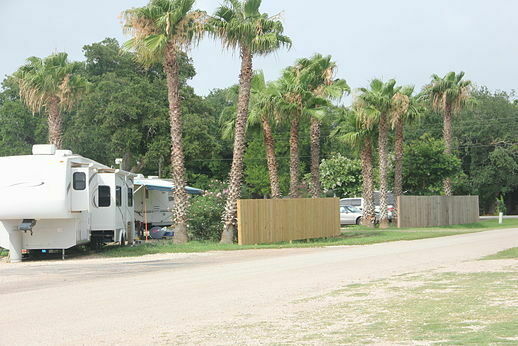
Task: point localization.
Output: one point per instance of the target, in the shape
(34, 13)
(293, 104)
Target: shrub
(205, 213)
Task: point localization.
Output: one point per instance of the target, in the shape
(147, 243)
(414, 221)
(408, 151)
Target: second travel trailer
(54, 199)
(154, 202)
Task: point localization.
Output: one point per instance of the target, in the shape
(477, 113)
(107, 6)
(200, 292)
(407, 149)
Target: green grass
(481, 225)
(348, 237)
(506, 254)
(354, 235)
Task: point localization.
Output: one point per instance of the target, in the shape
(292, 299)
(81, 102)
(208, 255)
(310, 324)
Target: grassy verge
(481, 225)
(433, 308)
(354, 235)
(506, 254)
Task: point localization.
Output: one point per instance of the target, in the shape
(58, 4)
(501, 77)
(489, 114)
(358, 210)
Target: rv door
(80, 189)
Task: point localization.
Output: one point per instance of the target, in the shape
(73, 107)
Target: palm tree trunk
(368, 216)
(315, 157)
(448, 139)
(271, 159)
(181, 201)
(383, 162)
(55, 123)
(398, 165)
(294, 156)
(236, 171)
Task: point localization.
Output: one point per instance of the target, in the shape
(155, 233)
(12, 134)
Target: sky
(408, 40)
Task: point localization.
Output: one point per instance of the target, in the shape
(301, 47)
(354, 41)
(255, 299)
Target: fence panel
(428, 211)
(274, 220)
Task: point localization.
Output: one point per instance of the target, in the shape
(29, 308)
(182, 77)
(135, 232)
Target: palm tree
(318, 77)
(375, 106)
(263, 102)
(448, 95)
(292, 107)
(406, 110)
(350, 129)
(239, 24)
(161, 30)
(53, 84)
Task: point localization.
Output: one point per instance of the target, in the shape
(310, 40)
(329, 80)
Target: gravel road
(154, 299)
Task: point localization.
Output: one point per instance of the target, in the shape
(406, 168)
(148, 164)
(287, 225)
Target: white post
(15, 246)
(500, 218)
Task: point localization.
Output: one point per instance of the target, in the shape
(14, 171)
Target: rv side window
(104, 196)
(79, 180)
(130, 197)
(118, 196)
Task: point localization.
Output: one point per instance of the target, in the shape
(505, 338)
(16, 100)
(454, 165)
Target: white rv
(54, 199)
(154, 202)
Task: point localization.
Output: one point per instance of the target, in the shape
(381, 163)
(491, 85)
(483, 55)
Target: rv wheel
(96, 243)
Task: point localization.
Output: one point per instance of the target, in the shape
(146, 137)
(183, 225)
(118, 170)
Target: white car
(350, 215)
(354, 202)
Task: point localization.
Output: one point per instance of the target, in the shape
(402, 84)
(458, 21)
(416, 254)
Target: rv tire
(96, 243)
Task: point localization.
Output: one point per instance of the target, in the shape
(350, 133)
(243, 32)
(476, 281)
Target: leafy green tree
(52, 84)
(341, 175)
(448, 95)
(489, 123)
(20, 129)
(256, 174)
(161, 30)
(240, 24)
(426, 165)
(499, 175)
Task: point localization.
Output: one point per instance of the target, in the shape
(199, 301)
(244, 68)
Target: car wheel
(358, 220)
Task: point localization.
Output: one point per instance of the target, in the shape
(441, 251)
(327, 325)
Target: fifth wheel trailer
(54, 199)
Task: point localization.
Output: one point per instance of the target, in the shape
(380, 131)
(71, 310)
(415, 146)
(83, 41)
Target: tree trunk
(383, 163)
(181, 200)
(126, 161)
(398, 165)
(369, 215)
(271, 159)
(236, 171)
(294, 156)
(448, 139)
(55, 123)
(315, 157)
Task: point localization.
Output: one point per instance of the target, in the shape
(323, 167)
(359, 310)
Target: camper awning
(164, 185)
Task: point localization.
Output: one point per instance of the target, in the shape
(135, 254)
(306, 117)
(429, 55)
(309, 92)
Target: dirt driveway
(199, 298)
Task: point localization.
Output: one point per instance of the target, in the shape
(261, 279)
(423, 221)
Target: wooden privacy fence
(274, 220)
(426, 211)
